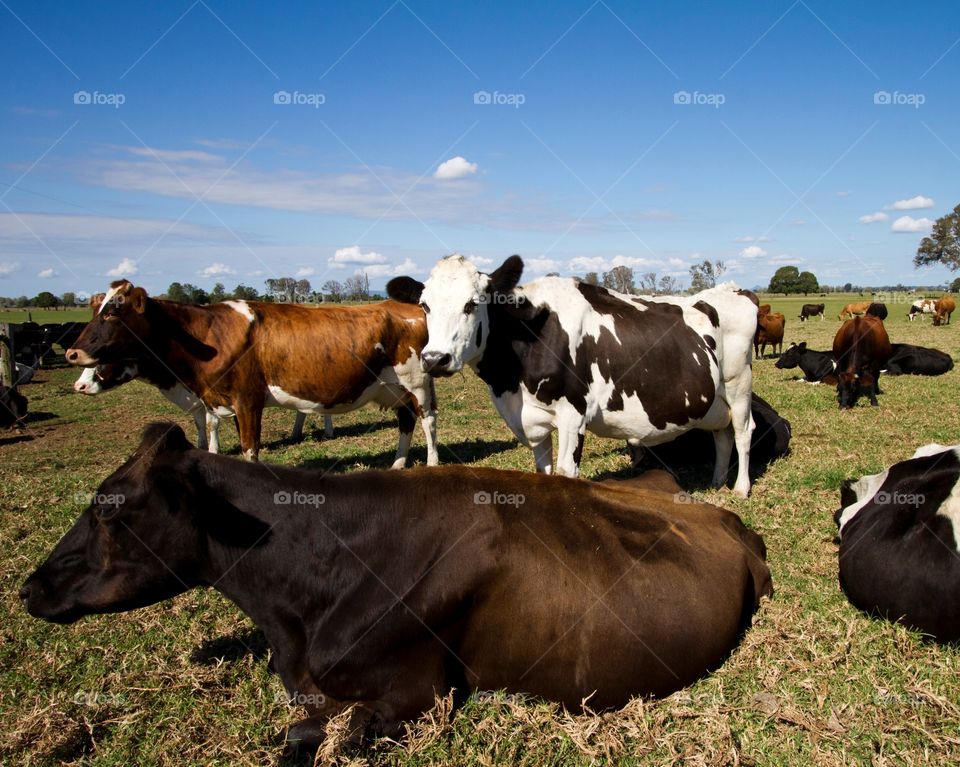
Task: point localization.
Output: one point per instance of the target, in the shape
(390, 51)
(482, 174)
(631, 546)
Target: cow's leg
(297, 434)
(571, 427)
(723, 447)
(328, 426)
(200, 419)
(213, 429)
(249, 417)
(543, 455)
(407, 419)
(741, 401)
(428, 421)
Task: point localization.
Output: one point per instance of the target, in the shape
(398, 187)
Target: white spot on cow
(277, 396)
(703, 398)
(931, 449)
(108, 298)
(696, 359)
(241, 307)
(950, 509)
(864, 488)
(575, 314)
(87, 382)
(378, 347)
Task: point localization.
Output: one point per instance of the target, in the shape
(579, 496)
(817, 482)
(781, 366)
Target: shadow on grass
(15, 438)
(457, 452)
(37, 416)
(229, 649)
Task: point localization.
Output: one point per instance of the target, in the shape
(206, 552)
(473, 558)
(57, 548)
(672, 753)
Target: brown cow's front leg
(249, 418)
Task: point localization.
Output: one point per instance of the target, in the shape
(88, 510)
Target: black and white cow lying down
(559, 354)
(900, 542)
(905, 359)
(386, 588)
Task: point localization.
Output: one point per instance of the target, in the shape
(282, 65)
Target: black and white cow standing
(900, 542)
(559, 354)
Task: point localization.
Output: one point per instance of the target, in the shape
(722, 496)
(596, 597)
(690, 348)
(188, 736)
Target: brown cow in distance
(385, 589)
(237, 357)
(861, 349)
(942, 310)
(854, 310)
(769, 331)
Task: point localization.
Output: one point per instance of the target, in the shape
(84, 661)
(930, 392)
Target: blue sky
(233, 142)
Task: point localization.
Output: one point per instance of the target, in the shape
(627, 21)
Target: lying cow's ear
(406, 290)
(162, 437)
(802, 346)
(507, 275)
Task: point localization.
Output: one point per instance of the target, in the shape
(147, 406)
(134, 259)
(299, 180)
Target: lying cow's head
(117, 327)
(100, 378)
(791, 357)
(134, 545)
(456, 300)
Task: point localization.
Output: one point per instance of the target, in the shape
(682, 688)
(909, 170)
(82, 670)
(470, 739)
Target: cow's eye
(426, 309)
(469, 307)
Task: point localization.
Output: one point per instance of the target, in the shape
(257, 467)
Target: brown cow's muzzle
(80, 357)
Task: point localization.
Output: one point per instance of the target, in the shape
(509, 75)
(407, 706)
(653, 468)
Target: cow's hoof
(306, 736)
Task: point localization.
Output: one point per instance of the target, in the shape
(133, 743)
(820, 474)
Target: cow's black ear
(406, 290)
(802, 346)
(507, 275)
(162, 437)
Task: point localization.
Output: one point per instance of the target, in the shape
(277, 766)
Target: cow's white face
(456, 300)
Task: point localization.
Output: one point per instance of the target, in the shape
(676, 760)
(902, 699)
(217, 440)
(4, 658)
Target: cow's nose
(434, 361)
(72, 355)
(25, 592)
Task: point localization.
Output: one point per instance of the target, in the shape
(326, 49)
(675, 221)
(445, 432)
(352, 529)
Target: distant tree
(69, 299)
(243, 293)
(807, 283)
(282, 289)
(302, 290)
(218, 294)
(668, 286)
(785, 280)
(46, 300)
(333, 291)
(705, 275)
(197, 295)
(620, 279)
(552, 274)
(177, 293)
(847, 287)
(648, 283)
(22, 302)
(357, 287)
(943, 244)
(955, 286)
(591, 278)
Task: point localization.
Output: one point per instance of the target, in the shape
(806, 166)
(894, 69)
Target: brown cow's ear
(96, 300)
(507, 275)
(406, 290)
(137, 298)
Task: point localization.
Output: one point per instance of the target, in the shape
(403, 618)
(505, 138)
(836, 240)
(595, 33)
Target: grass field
(186, 682)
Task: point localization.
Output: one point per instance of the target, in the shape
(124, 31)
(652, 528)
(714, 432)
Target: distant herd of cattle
(472, 554)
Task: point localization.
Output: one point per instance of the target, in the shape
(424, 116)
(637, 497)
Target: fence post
(7, 365)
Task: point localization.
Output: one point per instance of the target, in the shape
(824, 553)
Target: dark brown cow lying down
(387, 588)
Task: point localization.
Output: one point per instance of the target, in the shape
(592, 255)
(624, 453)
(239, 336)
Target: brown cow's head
(134, 545)
(118, 327)
(849, 387)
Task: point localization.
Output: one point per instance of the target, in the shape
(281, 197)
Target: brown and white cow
(238, 357)
(385, 589)
(861, 349)
(920, 307)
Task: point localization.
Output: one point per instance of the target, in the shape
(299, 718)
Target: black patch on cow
(528, 344)
(407, 419)
(711, 342)
(578, 452)
(479, 334)
(704, 307)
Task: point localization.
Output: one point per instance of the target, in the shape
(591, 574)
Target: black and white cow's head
(456, 300)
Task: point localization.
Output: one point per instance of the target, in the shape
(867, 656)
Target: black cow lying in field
(900, 542)
(906, 359)
(770, 440)
(13, 407)
(817, 367)
(385, 589)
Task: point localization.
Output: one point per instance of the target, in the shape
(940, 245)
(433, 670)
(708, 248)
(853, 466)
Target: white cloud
(911, 225)
(751, 238)
(753, 251)
(46, 274)
(541, 265)
(481, 262)
(126, 268)
(603, 264)
(29, 226)
(872, 218)
(8, 267)
(914, 203)
(388, 270)
(217, 269)
(352, 256)
(305, 271)
(845, 193)
(783, 258)
(455, 167)
(799, 222)
(171, 155)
